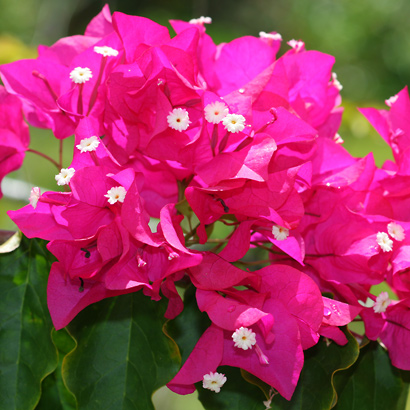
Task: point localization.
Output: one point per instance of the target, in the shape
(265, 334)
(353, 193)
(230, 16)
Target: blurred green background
(369, 39)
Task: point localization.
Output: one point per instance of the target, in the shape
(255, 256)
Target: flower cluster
(190, 133)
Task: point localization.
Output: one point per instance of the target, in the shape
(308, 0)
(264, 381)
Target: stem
(61, 154)
(228, 223)
(45, 156)
(218, 241)
(191, 234)
(253, 263)
(97, 84)
(80, 99)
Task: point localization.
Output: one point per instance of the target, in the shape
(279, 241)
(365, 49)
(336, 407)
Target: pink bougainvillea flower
(14, 134)
(336, 314)
(392, 326)
(45, 85)
(288, 311)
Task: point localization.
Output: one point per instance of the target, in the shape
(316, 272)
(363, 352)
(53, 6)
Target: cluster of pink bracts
(180, 128)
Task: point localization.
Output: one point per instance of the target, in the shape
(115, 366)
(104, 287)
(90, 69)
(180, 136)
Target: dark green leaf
(236, 393)
(372, 383)
(315, 386)
(55, 395)
(122, 354)
(27, 353)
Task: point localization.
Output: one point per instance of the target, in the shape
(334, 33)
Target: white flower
(244, 338)
(201, 20)
(390, 101)
(81, 75)
(88, 144)
(234, 122)
(396, 231)
(338, 139)
(297, 45)
(270, 36)
(213, 381)
(115, 194)
(34, 196)
(216, 112)
(178, 119)
(384, 241)
(279, 232)
(382, 301)
(336, 82)
(106, 51)
(63, 178)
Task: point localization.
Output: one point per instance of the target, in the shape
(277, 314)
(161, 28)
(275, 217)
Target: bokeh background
(369, 38)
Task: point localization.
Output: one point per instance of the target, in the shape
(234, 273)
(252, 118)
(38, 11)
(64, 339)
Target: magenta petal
(175, 304)
(135, 31)
(205, 358)
(396, 334)
(239, 242)
(214, 273)
(378, 120)
(338, 313)
(65, 298)
(135, 218)
(300, 294)
(101, 24)
(42, 222)
(228, 313)
(285, 354)
(333, 333)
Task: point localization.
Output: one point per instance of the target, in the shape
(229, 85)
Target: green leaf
(27, 353)
(372, 383)
(55, 394)
(122, 355)
(315, 390)
(236, 393)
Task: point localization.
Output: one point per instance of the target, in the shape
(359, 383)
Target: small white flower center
(201, 20)
(215, 112)
(88, 144)
(396, 231)
(270, 36)
(244, 338)
(336, 82)
(106, 51)
(234, 122)
(382, 302)
(279, 232)
(116, 194)
(338, 139)
(390, 101)
(34, 196)
(65, 175)
(297, 45)
(178, 119)
(81, 75)
(213, 381)
(385, 243)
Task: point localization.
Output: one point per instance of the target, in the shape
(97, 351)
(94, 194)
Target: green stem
(61, 154)
(45, 156)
